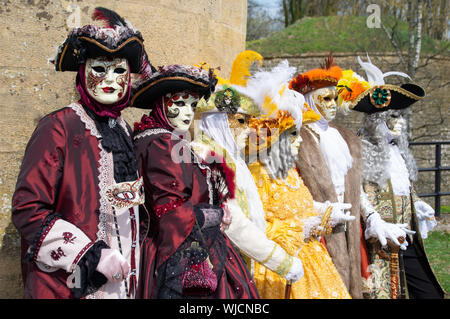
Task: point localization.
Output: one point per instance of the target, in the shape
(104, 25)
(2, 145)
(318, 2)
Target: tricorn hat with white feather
(375, 95)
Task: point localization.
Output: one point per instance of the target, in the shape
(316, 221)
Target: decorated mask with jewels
(181, 108)
(325, 100)
(107, 79)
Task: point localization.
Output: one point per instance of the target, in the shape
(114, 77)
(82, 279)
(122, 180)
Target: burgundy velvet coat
(171, 191)
(62, 172)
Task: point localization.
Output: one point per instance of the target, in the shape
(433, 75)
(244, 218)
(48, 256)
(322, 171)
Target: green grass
(445, 209)
(336, 33)
(437, 247)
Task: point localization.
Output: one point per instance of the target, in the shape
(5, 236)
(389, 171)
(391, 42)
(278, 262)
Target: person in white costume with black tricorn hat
(398, 262)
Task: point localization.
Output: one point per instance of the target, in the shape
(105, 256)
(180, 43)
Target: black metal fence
(438, 168)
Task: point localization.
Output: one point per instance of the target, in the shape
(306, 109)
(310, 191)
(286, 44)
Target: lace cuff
(86, 279)
(296, 272)
(48, 223)
(311, 228)
(62, 245)
(208, 215)
(366, 205)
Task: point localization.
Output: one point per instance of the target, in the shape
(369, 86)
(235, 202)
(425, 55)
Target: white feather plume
(374, 75)
(264, 84)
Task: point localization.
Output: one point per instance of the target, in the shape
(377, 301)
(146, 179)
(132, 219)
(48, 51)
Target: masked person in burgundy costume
(184, 253)
(77, 193)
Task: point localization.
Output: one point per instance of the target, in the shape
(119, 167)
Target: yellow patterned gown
(286, 209)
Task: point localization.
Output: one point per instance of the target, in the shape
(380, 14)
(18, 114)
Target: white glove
(113, 265)
(423, 210)
(338, 215)
(296, 271)
(378, 228)
(425, 216)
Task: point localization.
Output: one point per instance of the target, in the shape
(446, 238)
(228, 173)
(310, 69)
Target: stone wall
(175, 31)
(430, 115)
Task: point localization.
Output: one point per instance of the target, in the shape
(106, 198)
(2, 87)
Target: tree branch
(394, 43)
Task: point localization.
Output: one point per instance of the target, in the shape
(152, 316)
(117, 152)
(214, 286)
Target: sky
(271, 6)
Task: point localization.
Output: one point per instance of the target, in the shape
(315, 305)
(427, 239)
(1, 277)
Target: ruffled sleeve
(53, 242)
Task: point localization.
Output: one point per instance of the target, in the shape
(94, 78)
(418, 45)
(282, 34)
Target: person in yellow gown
(293, 219)
(222, 134)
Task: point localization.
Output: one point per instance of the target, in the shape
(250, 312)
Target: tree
(259, 22)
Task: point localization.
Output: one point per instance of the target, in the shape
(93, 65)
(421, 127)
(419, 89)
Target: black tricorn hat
(171, 79)
(118, 39)
(383, 97)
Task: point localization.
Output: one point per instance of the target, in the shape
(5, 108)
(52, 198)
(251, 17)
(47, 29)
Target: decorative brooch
(227, 100)
(380, 97)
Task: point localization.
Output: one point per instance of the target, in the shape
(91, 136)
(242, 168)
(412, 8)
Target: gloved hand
(113, 265)
(311, 227)
(296, 271)
(423, 210)
(378, 228)
(338, 216)
(425, 216)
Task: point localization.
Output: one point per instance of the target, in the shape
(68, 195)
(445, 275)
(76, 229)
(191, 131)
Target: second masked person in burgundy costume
(184, 253)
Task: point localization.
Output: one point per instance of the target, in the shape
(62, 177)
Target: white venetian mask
(325, 100)
(239, 127)
(296, 139)
(181, 108)
(395, 123)
(107, 79)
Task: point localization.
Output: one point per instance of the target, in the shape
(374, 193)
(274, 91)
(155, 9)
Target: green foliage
(445, 209)
(338, 34)
(437, 247)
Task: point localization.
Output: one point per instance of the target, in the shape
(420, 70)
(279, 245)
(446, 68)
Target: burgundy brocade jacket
(58, 191)
(172, 189)
(169, 186)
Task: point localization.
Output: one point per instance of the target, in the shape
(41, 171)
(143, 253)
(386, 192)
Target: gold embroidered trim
(285, 265)
(182, 78)
(270, 255)
(100, 45)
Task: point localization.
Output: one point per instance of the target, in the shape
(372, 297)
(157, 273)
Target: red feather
(111, 18)
(300, 83)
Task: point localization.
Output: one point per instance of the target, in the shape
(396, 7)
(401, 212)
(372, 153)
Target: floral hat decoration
(374, 95)
(232, 95)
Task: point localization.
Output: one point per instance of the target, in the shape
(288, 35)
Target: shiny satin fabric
(167, 183)
(56, 176)
(286, 209)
